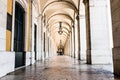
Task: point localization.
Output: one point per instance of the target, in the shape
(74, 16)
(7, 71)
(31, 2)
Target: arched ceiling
(56, 11)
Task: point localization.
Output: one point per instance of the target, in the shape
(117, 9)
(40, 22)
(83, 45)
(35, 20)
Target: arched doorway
(19, 31)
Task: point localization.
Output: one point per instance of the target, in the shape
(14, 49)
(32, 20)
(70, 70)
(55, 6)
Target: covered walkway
(59, 39)
(62, 68)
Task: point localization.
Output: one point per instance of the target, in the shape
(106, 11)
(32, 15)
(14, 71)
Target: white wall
(3, 19)
(7, 62)
(6, 58)
(100, 36)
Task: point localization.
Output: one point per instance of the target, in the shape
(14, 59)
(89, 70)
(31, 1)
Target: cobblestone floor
(62, 68)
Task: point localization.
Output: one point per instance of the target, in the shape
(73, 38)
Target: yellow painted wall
(9, 6)
(29, 27)
(8, 40)
(8, 33)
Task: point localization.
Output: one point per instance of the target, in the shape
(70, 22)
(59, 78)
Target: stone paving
(62, 68)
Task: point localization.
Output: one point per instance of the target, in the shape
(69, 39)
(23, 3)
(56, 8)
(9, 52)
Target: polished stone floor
(62, 68)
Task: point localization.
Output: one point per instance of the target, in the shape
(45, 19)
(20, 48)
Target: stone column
(71, 44)
(78, 27)
(42, 46)
(74, 41)
(98, 32)
(47, 43)
(115, 10)
(67, 46)
(48, 48)
(39, 38)
(43, 34)
(88, 33)
(45, 37)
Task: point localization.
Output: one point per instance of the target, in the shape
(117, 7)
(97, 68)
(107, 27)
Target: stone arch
(23, 3)
(56, 2)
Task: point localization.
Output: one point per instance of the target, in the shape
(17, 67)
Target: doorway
(19, 31)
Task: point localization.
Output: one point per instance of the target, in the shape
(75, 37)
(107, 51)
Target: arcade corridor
(59, 39)
(62, 68)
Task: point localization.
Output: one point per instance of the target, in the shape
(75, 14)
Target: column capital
(85, 1)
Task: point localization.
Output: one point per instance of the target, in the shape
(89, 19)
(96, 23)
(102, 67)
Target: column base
(89, 61)
(79, 55)
(74, 55)
(116, 61)
(83, 55)
(101, 56)
(30, 59)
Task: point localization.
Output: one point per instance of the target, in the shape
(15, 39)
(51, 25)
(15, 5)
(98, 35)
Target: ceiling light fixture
(60, 28)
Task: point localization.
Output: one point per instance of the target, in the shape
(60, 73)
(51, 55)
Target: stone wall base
(101, 56)
(7, 62)
(116, 60)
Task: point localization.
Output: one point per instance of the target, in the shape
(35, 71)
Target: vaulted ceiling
(57, 11)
